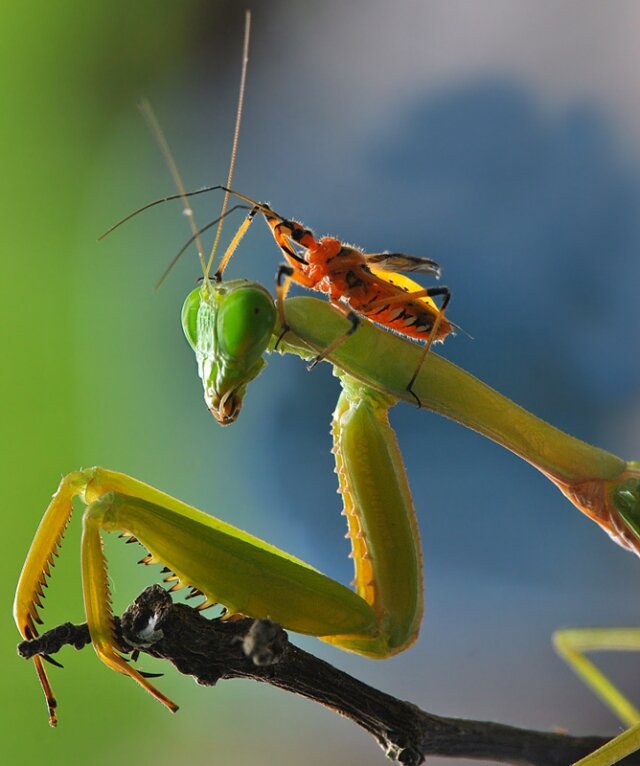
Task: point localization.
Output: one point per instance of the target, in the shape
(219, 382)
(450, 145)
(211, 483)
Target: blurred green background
(499, 138)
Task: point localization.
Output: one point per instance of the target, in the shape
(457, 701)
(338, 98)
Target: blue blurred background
(499, 138)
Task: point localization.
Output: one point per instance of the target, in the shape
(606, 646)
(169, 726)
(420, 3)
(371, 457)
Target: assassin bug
(356, 282)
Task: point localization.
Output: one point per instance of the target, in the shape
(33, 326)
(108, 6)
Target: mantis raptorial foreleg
(243, 573)
(385, 540)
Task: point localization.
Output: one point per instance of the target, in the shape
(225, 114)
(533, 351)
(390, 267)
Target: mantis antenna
(236, 135)
(156, 130)
(163, 145)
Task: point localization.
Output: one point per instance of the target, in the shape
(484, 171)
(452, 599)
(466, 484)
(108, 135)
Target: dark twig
(211, 650)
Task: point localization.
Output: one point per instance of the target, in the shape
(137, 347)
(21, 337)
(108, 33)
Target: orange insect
(357, 283)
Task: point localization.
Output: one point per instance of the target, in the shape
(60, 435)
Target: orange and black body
(348, 275)
(357, 283)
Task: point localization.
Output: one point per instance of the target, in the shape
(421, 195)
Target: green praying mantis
(230, 327)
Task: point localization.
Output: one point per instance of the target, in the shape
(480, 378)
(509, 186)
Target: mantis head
(229, 327)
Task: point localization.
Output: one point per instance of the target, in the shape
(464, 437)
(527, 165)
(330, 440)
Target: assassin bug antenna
(155, 202)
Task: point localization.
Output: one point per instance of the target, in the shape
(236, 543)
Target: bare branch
(213, 650)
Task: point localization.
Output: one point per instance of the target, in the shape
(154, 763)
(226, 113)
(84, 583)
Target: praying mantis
(383, 615)
(600, 484)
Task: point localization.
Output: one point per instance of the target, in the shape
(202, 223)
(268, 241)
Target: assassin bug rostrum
(377, 366)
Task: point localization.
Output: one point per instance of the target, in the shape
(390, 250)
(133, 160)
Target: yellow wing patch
(404, 283)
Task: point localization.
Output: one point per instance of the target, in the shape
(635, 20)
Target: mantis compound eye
(245, 320)
(190, 317)
(626, 498)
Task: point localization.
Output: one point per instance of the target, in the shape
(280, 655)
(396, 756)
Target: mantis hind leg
(572, 644)
(615, 750)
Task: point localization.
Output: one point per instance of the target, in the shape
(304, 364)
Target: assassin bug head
(291, 230)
